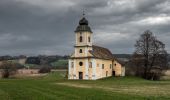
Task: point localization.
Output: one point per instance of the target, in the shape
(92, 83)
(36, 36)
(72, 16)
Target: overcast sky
(33, 27)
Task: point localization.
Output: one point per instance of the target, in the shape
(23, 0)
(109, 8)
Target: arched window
(110, 66)
(81, 39)
(80, 51)
(102, 66)
(89, 39)
(81, 63)
(72, 64)
(90, 65)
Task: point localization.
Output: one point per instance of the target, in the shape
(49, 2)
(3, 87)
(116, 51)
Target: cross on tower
(83, 13)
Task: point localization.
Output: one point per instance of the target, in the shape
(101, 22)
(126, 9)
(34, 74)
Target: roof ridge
(101, 52)
(100, 47)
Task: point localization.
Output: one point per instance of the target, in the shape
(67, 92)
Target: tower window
(81, 63)
(81, 39)
(80, 51)
(89, 39)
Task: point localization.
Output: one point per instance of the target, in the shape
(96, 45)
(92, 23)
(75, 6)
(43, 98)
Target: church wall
(123, 71)
(92, 68)
(85, 36)
(103, 72)
(84, 53)
(70, 69)
(118, 68)
(78, 54)
(74, 71)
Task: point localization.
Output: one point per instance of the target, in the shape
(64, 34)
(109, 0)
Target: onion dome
(83, 21)
(83, 26)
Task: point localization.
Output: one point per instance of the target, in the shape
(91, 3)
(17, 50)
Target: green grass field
(54, 87)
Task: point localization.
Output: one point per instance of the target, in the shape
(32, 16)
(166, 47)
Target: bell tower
(83, 36)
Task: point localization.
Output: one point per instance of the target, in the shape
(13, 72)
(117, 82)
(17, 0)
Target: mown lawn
(54, 87)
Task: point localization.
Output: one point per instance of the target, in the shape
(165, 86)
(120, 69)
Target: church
(91, 62)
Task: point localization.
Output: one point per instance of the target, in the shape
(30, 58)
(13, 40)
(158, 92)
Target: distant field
(59, 64)
(54, 86)
(62, 63)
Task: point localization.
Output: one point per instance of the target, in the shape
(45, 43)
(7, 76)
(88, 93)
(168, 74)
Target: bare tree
(8, 68)
(150, 56)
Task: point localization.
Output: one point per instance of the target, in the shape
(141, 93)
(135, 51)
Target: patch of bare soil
(28, 75)
(75, 85)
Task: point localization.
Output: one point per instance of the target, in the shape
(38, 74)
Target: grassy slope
(62, 63)
(55, 87)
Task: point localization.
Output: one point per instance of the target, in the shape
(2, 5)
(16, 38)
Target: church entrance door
(113, 73)
(80, 75)
(106, 73)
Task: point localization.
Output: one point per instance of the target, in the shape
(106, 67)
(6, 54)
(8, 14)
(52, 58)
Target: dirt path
(75, 85)
(146, 90)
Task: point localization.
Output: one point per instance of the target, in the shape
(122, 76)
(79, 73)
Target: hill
(122, 55)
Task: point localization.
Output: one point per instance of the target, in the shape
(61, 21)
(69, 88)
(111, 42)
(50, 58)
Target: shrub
(5, 74)
(45, 69)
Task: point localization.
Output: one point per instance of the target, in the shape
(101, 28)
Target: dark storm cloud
(47, 26)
